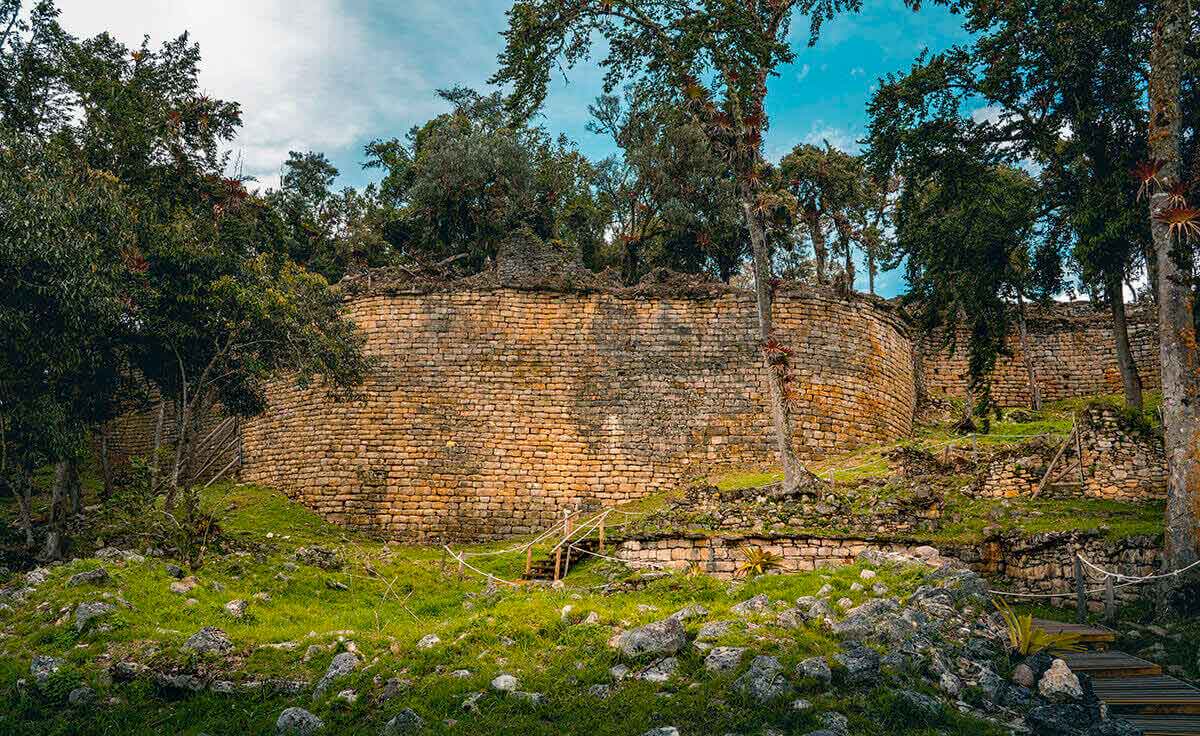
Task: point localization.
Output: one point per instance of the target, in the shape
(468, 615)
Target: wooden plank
(1087, 633)
(1149, 694)
(1110, 664)
(1166, 725)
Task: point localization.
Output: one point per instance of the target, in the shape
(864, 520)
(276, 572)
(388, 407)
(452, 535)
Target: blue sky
(331, 75)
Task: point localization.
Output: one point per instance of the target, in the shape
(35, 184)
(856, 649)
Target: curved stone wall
(492, 411)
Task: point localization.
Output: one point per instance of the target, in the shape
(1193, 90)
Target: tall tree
(1175, 225)
(711, 57)
(1064, 87)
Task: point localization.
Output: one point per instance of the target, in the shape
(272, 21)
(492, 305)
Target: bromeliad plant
(1024, 638)
(757, 561)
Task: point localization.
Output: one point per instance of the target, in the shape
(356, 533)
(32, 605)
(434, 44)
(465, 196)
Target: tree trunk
(871, 271)
(813, 220)
(22, 489)
(53, 549)
(1035, 391)
(795, 475)
(1130, 379)
(1152, 271)
(105, 465)
(74, 487)
(1177, 334)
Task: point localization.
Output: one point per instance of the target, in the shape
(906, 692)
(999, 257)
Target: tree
(1175, 225)
(713, 59)
(1063, 84)
(671, 198)
(468, 179)
(990, 215)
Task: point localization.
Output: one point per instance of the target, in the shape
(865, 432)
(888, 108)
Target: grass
(396, 595)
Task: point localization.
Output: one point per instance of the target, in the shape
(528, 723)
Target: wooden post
(1110, 602)
(1080, 592)
(974, 447)
(567, 561)
(461, 569)
(1079, 452)
(528, 560)
(602, 520)
(557, 562)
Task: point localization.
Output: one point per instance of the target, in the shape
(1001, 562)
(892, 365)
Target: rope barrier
(1134, 579)
(631, 563)
(471, 567)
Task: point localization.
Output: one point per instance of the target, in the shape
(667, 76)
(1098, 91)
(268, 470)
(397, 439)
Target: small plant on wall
(757, 561)
(1024, 638)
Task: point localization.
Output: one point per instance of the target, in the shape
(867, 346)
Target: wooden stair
(542, 568)
(1133, 689)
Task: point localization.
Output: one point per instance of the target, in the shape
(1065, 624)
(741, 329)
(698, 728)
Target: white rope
(631, 563)
(523, 547)
(469, 566)
(1133, 579)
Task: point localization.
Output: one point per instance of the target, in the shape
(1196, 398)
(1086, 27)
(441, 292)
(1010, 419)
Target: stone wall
(1039, 564)
(493, 410)
(1073, 355)
(1120, 462)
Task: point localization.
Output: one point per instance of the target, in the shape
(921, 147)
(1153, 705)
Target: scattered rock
(950, 684)
(724, 659)
(835, 723)
(209, 639)
(340, 666)
(1060, 684)
(800, 705)
(1024, 676)
(764, 680)
(662, 731)
(405, 722)
(591, 619)
(97, 576)
(174, 571)
(428, 641)
(600, 691)
(861, 663)
(815, 668)
(619, 672)
(660, 671)
(336, 584)
(867, 574)
(689, 612)
(297, 722)
(236, 608)
(757, 604)
(186, 585)
(1061, 719)
(86, 612)
(321, 557)
(661, 637)
(713, 630)
(348, 696)
(472, 702)
(504, 683)
(43, 666)
(81, 696)
(531, 698)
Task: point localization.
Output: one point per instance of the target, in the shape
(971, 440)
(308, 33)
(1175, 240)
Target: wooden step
(1166, 725)
(1103, 665)
(1148, 695)
(1093, 635)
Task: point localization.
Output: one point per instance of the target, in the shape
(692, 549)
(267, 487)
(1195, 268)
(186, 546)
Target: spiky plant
(1183, 222)
(757, 561)
(1177, 194)
(1024, 638)
(694, 569)
(1146, 172)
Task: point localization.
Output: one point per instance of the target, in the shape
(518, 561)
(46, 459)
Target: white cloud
(306, 73)
(804, 70)
(838, 137)
(857, 71)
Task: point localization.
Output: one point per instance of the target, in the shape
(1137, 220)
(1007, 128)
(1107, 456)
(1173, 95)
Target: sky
(332, 75)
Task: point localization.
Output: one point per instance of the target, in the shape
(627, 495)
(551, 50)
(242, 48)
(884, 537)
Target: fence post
(557, 562)
(528, 559)
(1080, 592)
(1110, 603)
(974, 447)
(602, 520)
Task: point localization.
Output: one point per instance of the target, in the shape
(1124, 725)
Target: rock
(1061, 719)
(856, 588)
(81, 696)
(97, 576)
(845, 603)
(764, 680)
(335, 584)
(791, 618)
(125, 671)
(861, 663)
(689, 612)
(264, 597)
(209, 639)
(819, 611)
(236, 608)
(924, 708)
(867, 574)
(405, 722)
(348, 696)
(461, 674)
(297, 722)
(713, 630)
(826, 589)
(815, 668)
(392, 688)
(504, 683)
(879, 589)
(757, 604)
(800, 705)
(724, 659)
(660, 671)
(321, 557)
(1024, 676)
(472, 702)
(1060, 684)
(174, 571)
(1114, 727)
(37, 576)
(428, 641)
(868, 620)
(600, 691)
(222, 687)
(531, 698)
(661, 637)
(619, 672)
(662, 731)
(950, 684)
(340, 666)
(591, 619)
(185, 585)
(182, 682)
(86, 612)
(835, 723)
(565, 613)
(43, 666)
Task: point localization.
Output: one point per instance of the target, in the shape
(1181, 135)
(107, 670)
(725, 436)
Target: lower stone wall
(1039, 564)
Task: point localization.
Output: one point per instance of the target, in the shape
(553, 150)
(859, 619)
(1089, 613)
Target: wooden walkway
(1131, 687)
